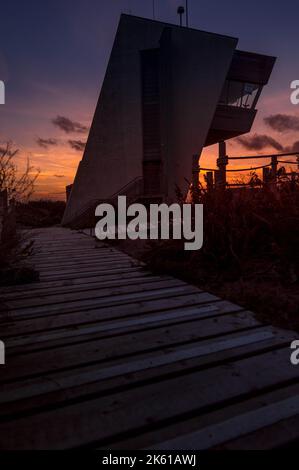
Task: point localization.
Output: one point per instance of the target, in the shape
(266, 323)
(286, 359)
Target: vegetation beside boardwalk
(39, 213)
(16, 248)
(15, 267)
(15, 188)
(250, 254)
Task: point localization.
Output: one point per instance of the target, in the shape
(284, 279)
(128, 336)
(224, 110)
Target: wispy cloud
(293, 148)
(45, 143)
(259, 142)
(283, 122)
(77, 145)
(59, 176)
(68, 126)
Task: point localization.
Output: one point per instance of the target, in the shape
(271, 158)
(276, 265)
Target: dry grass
(250, 253)
(14, 261)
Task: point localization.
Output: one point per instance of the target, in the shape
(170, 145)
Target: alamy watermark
(2, 92)
(2, 101)
(295, 354)
(2, 353)
(295, 94)
(160, 221)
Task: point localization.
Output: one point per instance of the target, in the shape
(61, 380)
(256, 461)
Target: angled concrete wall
(194, 65)
(113, 154)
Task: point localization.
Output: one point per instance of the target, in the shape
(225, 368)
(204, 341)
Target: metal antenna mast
(180, 12)
(154, 10)
(187, 14)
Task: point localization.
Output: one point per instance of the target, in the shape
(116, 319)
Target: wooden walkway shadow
(103, 354)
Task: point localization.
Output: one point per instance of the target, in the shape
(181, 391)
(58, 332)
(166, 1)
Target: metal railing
(216, 177)
(132, 190)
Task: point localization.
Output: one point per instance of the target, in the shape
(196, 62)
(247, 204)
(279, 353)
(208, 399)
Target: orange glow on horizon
(58, 163)
(54, 177)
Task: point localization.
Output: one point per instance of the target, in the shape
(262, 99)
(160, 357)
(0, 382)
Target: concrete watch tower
(168, 92)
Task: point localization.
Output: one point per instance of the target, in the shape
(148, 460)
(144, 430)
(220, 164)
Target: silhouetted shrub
(14, 261)
(250, 253)
(42, 213)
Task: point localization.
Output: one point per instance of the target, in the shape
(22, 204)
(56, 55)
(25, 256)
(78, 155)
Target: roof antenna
(154, 10)
(187, 14)
(181, 11)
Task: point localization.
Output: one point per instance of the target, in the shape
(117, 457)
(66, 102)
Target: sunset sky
(53, 56)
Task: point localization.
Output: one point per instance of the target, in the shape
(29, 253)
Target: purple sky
(53, 57)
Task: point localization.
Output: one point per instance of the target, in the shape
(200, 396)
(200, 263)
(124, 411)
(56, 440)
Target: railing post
(195, 173)
(217, 179)
(274, 168)
(222, 162)
(210, 180)
(195, 170)
(266, 175)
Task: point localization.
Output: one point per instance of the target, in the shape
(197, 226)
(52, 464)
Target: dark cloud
(59, 176)
(293, 148)
(77, 145)
(283, 122)
(259, 142)
(45, 143)
(67, 125)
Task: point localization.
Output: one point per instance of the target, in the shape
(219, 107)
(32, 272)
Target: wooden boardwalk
(103, 354)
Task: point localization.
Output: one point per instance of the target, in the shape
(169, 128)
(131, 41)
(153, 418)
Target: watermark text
(159, 221)
(295, 354)
(2, 92)
(2, 353)
(295, 94)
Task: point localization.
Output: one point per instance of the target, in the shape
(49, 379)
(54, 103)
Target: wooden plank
(213, 429)
(69, 262)
(62, 274)
(74, 320)
(97, 272)
(75, 248)
(63, 252)
(85, 285)
(91, 361)
(278, 435)
(77, 254)
(60, 354)
(205, 311)
(235, 426)
(104, 258)
(75, 251)
(94, 292)
(101, 301)
(49, 273)
(104, 419)
(73, 281)
(74, 383)
(59, 247)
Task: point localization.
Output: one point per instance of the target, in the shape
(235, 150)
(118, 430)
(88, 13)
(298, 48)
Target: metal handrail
(264, 156)
(134, 180)
(234, 170)
(94, 201)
